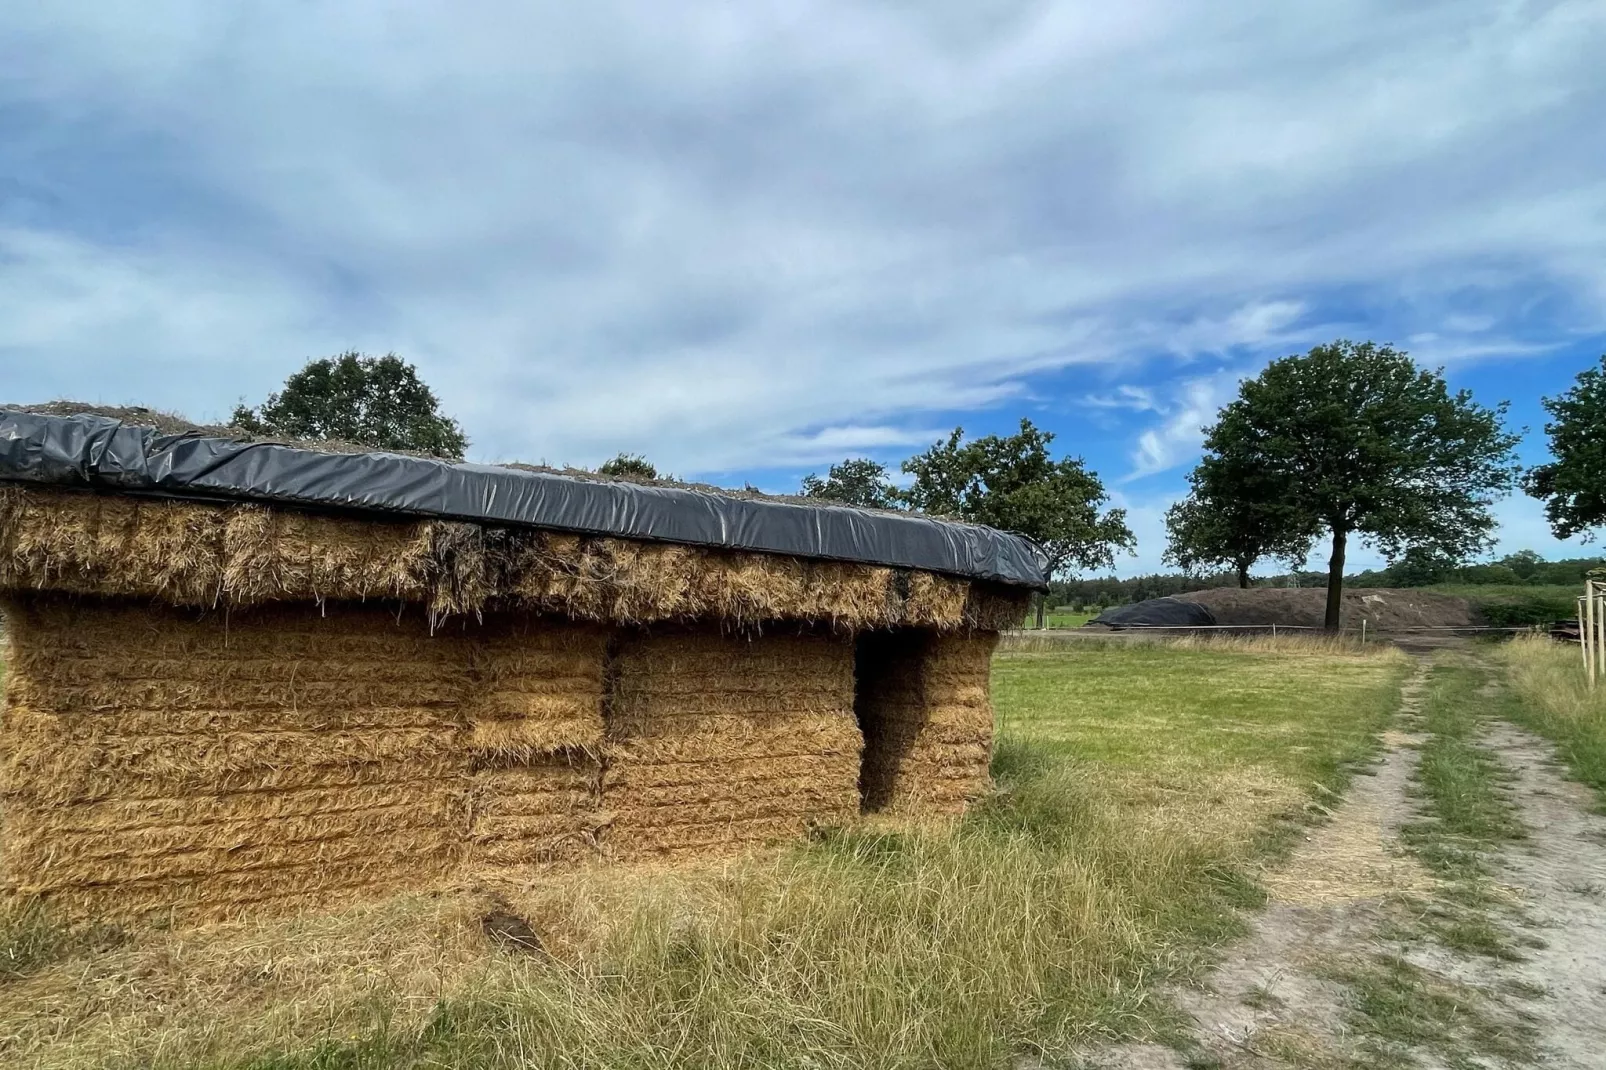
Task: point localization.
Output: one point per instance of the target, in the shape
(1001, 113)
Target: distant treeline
(1524, 568)
(1109, 591)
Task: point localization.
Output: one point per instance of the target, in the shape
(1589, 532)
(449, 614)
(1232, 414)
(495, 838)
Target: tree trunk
(1042, 611)
(1243, 575)
(1335, 580)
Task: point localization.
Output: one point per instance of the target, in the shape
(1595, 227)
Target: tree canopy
(1015, 485)
(856, 481)
(1356, 439)
(372, 401)
(1224, 527)
(1573, 484)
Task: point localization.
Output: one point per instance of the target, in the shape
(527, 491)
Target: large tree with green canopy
(1356, 440)
(373, 401)
(1014, 483)
(1573, 484)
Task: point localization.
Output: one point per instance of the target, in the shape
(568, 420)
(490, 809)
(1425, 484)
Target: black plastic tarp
(105, 454)
(1156, 613)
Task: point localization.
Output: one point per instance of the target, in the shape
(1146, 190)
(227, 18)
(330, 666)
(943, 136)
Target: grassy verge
(1139, 786)
(1468, 813)
(1553, 699)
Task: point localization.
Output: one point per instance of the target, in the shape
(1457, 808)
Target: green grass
(1554, 700)
(1468, 813)
(31, 939)
(1305, 717)
(1138, 788)
(1462, 783)
(1401, 1009)
(1066, 618)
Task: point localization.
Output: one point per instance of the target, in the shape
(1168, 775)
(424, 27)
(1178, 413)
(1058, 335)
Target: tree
(1013, 484)
(1573, 486)
(856, 481)
(1355, 439)
(1210, 529)
(631, 466)
(1423, 566)
(1525, 564)
(373, 401)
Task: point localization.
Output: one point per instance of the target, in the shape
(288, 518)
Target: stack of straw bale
(152, 761)
(535, 739)
(214, 709)
(927, 720)
(715, 742)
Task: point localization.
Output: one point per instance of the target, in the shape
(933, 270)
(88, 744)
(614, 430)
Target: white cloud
(1125, 396)
(1177, 438)
(707, 232)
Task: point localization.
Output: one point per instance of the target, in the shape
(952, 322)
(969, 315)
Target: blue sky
(748, 240)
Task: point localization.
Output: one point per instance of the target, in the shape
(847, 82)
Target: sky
(748, 240)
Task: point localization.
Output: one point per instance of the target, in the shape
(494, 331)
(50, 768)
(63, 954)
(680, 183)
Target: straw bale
(218, 554)
(539, 686)
(277, 554)
(97, 544)
(536, 733)
(102, 816)
(537, 810)
(923, 706)
(934, 600)
(178, 768)
(319, 885)
(756, 770)
(712, 838)
(694, 740)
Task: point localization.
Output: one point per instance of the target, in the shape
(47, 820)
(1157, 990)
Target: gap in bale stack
(715, 742)
(921, 700)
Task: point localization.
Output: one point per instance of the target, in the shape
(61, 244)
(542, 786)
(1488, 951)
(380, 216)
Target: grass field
(1141, 787)
(1062, 618)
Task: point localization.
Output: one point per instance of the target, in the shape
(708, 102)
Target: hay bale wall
(923, 706)
(206, 764)
(154, 761)
(716, 742)
(535, 737)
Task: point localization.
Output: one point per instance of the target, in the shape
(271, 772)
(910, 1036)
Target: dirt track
(1342, 905)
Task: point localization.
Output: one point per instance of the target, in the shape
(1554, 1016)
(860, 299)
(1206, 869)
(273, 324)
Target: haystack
(242, 678)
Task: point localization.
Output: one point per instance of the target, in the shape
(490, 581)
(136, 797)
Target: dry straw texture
(204, 718)
(716, 742)
(197, 763)
(207, 555)
(153, 761)
(928, 723)
(536, 737)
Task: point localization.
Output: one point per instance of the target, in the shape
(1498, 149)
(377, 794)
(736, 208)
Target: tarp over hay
(217, 705)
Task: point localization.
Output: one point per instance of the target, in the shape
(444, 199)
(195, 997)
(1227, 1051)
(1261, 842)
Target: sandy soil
(1272, 1003)
(1560, 875)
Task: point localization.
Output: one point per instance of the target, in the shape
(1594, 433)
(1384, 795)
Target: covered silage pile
(215, 706)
